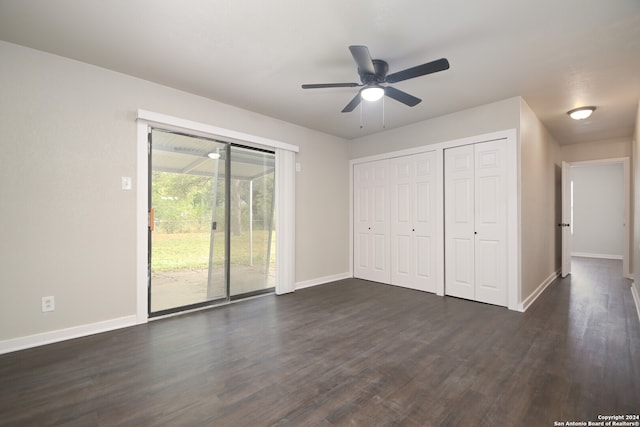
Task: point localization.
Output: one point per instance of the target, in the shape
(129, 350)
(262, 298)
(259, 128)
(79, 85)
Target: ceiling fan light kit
(372, 93)
(374, 78)
(581, 113)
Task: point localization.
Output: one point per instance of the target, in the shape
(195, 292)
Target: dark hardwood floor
(347, 353)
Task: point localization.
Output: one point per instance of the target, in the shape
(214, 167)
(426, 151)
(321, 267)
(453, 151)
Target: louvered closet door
(371, 221)
(412, 181)
(476, 222)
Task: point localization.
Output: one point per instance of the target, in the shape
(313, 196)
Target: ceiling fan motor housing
(381, 68)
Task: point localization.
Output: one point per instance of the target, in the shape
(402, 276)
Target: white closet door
(491, 222)
(371, 221)
(476, 222)
(459, 222)
(412, 180)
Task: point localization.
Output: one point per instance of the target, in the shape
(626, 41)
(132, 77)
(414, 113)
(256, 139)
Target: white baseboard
(524, 305)
(36, 340)
(592, 255)
(636, 298)
(322, 280)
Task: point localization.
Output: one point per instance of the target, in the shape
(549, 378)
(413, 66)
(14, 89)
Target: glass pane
(252, 222)
(188, 241)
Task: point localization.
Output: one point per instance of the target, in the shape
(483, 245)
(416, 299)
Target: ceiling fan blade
(326, 85)
(401, 96)
(363, 59)
(420, 70)
(352, 104)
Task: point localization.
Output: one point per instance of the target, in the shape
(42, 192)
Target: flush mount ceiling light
(581, 113)
(372, 93)
(214, 156)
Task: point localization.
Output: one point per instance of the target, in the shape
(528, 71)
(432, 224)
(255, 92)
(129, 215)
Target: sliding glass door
(211, 222)
(252, 266)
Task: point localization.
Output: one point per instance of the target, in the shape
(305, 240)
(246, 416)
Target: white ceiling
(255, 54)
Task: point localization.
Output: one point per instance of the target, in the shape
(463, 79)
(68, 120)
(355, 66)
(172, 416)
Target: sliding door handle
(152, 219)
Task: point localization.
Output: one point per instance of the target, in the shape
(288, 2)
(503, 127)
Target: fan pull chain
(361, 108)
(383, 122)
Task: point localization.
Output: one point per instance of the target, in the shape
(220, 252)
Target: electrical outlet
(48, 304)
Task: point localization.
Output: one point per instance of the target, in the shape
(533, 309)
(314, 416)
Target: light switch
(126, 183)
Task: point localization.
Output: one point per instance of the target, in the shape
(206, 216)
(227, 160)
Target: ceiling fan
(373, 75)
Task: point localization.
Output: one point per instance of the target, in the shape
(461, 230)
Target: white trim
(636, 298)
(626, 259)
(351, 230)
(592, 255)
(513, 194)
(210, 130)
(323, 280)
(440, 222)
(285, 190)
(523, 306)
(142, 222)
(36, 340)
(514, 291)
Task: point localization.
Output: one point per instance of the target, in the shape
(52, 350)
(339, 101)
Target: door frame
(514, 249)
(284, 197)
(565, 221)
(566, 201)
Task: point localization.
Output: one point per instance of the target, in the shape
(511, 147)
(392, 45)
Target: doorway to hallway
(595, 211)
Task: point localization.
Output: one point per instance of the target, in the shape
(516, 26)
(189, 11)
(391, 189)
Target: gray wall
(596, 150)
(68, 134)
(598, 210)
(540, 205)
(497, 116)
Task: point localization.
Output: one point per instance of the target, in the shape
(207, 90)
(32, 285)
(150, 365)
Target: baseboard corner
(636, 298)
(524, 305)
(322, 280)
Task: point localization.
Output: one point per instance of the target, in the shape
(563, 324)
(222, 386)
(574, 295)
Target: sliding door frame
(284, 196)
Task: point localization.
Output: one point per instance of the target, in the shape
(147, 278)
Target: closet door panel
(424, 226)
(487, 268)
(402, 258)
(491, 222)
(371, 221)
(362, 253)
(476, 222)
(401, 176)
(462, 272)
(459, 222)
(424, 270)
(362, 180)
(412, 221)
